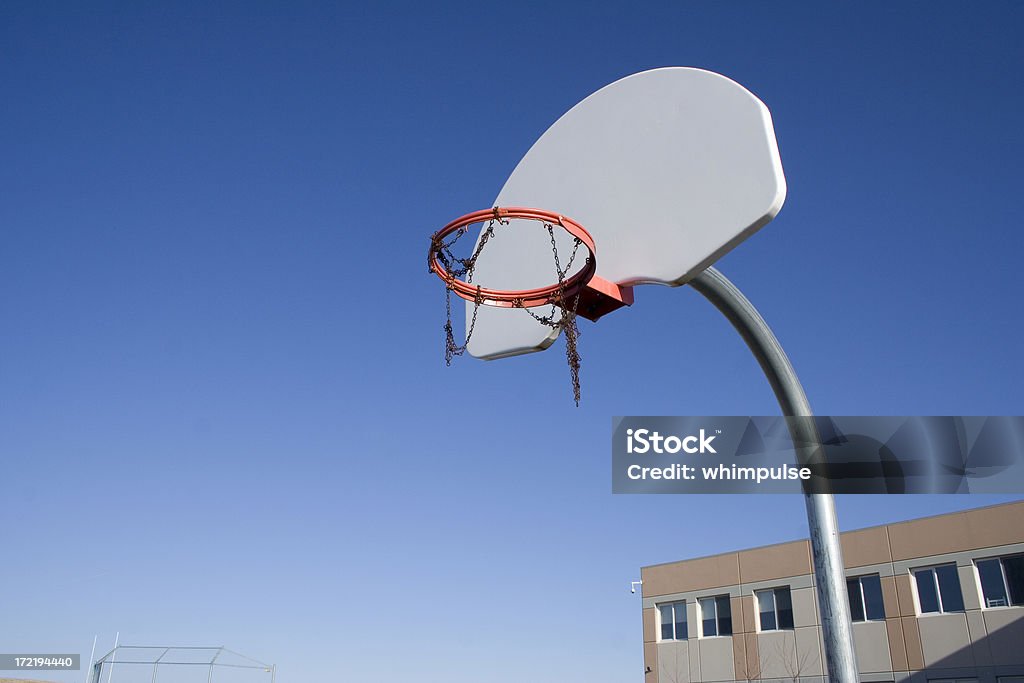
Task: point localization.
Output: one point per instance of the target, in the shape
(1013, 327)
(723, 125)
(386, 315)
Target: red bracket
(600, 297)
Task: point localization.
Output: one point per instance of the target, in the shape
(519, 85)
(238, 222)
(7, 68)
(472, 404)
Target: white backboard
(668, 169)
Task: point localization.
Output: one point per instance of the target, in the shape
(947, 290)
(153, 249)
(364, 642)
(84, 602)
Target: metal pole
(113, 656)
(92, 657)
(156, 663)
(836, 628)
(213, 660)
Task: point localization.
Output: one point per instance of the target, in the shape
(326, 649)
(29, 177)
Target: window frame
(1006, 581)
(718, 625)
(775, 609)
(932, 569)
(863, 600)
(674, 604)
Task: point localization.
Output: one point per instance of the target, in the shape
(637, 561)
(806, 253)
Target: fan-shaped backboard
(668, 169)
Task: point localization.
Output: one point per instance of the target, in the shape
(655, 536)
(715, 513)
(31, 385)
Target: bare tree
(670, 671)
(747, 670)
(794, 663)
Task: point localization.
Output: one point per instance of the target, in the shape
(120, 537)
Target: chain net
(562, 314)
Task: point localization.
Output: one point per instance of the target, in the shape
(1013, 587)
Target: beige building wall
(978, 643)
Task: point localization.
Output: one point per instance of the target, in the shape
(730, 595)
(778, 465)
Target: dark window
(865, 593)
(927, 591)
(681, 633)
(775, 609)
(708, 618)
(949, 588)
(667, 632)
(766, 610)
(784, 606)
(1014, 568)
(992, 585)
(872, 588)
(716, 616)
(938, 589)
(673, 620)
(1002, 580)
(724, 609)
(853, 592)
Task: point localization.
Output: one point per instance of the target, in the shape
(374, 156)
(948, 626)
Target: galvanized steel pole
(830, 576)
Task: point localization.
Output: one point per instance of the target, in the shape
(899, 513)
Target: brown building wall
(889, 550)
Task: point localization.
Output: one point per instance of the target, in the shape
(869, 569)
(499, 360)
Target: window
(1002, 580)
(774, 609)
(715, 616)
(865, 598)
(938, 589)
(673, 620)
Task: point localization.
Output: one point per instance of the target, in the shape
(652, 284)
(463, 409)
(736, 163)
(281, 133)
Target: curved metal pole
(837, 630)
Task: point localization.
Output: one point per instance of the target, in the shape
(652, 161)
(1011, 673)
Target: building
(933, 599)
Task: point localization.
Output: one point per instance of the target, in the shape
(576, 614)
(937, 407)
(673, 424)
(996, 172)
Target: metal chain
(464, 267)
(567, 320)
(451, 349)
(443, 251)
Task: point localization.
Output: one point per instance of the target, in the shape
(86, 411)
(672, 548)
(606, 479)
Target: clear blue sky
(224, 411)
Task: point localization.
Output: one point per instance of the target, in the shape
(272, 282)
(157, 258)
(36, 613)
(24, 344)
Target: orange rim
(515, 298)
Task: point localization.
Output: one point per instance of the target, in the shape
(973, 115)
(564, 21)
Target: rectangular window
(774, 609)
(865, 594)
(938, 589)
(1002, 580)
(673, 620)
(715, 616)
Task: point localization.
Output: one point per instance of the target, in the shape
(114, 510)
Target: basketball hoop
(580, 292)
(441, 264)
